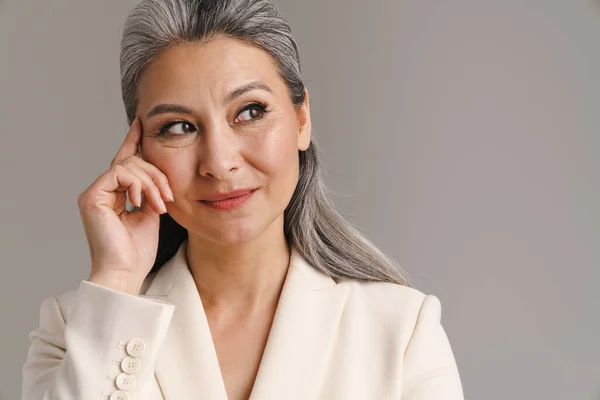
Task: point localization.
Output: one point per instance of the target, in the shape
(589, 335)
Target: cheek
(276, 153)
(277, 157)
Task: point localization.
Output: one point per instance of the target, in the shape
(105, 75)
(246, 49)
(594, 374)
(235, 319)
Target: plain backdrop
(461, 136)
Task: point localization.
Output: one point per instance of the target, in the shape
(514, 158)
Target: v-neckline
(262, 355)
(295, 354)
(204, 317)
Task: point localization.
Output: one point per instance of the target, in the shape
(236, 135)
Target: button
(125, 381)
(130, 365)
(136, 347)
(119, 395)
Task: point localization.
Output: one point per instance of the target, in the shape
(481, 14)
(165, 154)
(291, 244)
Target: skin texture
(238, 258)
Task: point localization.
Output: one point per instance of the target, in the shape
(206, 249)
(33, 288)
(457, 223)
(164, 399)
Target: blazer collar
(295, 357)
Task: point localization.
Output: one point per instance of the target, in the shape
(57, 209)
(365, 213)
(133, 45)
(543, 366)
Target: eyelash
(163, 131)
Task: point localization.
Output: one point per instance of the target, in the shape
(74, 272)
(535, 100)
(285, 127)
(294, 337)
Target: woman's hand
(123, 243)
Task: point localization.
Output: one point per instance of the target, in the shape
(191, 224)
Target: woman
(233, 277)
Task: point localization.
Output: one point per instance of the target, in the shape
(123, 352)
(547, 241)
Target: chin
(229, 232)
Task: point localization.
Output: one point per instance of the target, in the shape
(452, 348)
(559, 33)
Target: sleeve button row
(129, 365)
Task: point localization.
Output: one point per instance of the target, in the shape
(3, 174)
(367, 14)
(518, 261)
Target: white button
(136, 347)
(119, 395)
(130, 365)
(125, 381)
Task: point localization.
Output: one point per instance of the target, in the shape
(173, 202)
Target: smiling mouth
(230, 203)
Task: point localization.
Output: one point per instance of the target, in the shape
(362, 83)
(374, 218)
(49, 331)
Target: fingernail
(169, 193)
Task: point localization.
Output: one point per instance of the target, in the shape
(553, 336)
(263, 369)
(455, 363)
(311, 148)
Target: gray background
(461, 136)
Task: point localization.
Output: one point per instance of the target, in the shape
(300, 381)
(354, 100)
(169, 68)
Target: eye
(254, 111)
(185, 128)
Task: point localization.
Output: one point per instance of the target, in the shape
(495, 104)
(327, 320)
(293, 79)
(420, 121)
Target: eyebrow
(174, 108)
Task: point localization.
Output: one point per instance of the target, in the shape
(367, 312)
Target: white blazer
(330, 340)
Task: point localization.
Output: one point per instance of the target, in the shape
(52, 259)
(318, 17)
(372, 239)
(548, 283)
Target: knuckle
(83, 201)
(149, 179)
(151, 188)
(117, 172)
(134, 159)
(118, 168)
(158, 180)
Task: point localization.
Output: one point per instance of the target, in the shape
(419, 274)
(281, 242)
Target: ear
(304, 125)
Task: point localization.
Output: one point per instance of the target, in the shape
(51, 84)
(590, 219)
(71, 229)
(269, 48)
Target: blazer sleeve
(430, 370)
(106, 343)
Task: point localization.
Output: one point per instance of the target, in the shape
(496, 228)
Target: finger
(118, 179)
(157, 176)
(134, 193)
(149, 188)
(130, 144)
(147, 207)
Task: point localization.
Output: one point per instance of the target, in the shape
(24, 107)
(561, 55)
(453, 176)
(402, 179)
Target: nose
(219, 152)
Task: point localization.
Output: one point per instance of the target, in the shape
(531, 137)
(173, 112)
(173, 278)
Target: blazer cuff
(112, 340)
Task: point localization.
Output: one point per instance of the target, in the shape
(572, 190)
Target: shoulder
(397, 306)
(385, 295)
(384, 291)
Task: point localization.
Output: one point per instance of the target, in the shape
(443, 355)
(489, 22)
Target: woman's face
(222, 142)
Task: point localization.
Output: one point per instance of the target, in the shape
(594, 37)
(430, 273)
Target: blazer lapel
(294, 362)
(187, 366)
(295, 357)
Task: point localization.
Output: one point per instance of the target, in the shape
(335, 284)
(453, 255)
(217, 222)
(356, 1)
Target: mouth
(227, 195)
(231, 202)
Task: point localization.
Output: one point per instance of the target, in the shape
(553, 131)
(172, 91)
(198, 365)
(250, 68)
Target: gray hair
(320, 233)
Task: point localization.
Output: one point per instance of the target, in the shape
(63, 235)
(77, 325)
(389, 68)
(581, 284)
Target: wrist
(115, 282)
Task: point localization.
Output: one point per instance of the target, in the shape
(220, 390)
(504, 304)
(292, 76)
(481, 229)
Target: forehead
(208, 69)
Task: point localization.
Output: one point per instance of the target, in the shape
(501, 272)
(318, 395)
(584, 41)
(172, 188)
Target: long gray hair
(321, 235)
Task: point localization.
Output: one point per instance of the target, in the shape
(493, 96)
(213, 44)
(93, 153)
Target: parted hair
(312, 224)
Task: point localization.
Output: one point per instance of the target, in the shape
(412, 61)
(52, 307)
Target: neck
(242, 278)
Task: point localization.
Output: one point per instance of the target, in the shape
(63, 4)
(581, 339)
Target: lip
(231, 202)
(228, 195)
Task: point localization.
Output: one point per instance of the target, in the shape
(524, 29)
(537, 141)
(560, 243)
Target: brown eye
(253, 111)
(184, 128)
